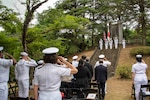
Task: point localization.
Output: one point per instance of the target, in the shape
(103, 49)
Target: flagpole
(108, 32)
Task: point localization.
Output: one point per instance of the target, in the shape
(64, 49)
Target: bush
(140, 50)
(124, 71)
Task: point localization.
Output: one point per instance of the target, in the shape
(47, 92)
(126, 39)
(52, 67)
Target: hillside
(120, 89)
(117, 89)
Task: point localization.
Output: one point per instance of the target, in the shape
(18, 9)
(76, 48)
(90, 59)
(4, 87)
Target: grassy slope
(117, 89)
(120, 89)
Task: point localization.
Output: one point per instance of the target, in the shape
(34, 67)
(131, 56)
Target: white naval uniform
(105, 63)
(110, 44)
(4, 77)
(116, 43)
(140, 78)
(101, 44)
(22, 75)
(106, 44)
(48, 79)
(124, 43)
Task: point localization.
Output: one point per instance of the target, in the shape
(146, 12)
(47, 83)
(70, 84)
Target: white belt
(139, 73)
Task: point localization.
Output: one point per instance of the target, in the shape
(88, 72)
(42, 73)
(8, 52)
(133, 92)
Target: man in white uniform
(124, 43)
(106, 63)
(106, 44)
(4, 73)
(101, 44)
(47, 79)
(139, 75)
(22, 74)
(116, 42)
(110, 43)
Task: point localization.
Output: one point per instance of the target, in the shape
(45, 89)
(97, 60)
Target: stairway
(111, 54)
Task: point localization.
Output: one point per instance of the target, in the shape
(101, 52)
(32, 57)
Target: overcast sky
(16, 5)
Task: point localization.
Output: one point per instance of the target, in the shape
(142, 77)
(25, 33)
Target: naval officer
(47, 80)
(4, 73)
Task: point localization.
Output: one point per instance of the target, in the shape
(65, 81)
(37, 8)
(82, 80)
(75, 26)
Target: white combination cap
(138, 56)
(75, 57)
(50, 50)
(40, 62)
(1, 48)
(66, 59)
(101, 56)
(24, 54)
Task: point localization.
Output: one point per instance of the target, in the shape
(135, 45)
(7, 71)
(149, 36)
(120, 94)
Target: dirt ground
(117, 89)
(120, 89)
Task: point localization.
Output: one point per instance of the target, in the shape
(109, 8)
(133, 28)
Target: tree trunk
(25, 29)
(28, 18)
(143, 21)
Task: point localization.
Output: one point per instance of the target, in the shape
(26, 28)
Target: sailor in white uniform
(110, 43)
(139, 75)
(101, 44)
(47, 79)
(22, 74)
(4, 73)
(116, 42)
(124, 43)
(106, 44)
(106, 62)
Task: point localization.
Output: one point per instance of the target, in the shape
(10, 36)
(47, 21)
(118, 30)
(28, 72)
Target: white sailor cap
(40, 62)
(138, 56)
(66, 59)
(1, 48)
(75, 57)
(50, 50)
(24, 54)
(101, 56)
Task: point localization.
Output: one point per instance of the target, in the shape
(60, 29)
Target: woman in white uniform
(139, 75)
(47, 79)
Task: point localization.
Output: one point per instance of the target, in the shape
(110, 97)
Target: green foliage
(10, 44)
(143, 50)
(9, 21)
(130, 34)
(124, 71)
(49, 16)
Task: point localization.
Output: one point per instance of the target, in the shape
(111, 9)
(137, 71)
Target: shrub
(124, 71)
(140, 50)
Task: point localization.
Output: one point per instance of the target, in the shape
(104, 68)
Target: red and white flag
(108, 35)
(104, 36)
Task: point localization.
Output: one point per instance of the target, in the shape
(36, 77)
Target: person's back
(82, 78)
(101, 77)
(139, 74)
(90, 68)
(101, 73)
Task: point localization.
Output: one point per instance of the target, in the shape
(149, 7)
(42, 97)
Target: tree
(9, 21)
(31, 6)
(56, 24)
